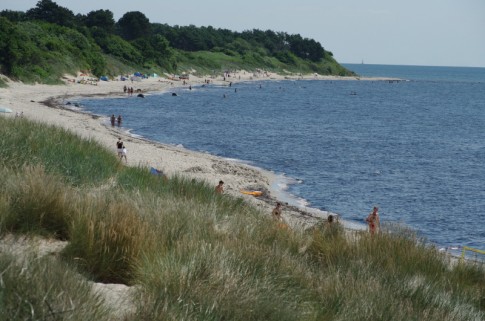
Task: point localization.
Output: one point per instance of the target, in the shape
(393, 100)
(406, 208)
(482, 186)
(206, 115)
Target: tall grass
(45, 289)
(197, 255)
(36, 202)
(79, 161)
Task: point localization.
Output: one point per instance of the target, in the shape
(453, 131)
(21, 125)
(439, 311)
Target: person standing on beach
(220, 188)
(119, 147)
(123, 153)
(373, 221)
(120, 119)
(112, 119)
(276, 213)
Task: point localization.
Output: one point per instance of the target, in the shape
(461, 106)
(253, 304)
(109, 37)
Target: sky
(392, 32)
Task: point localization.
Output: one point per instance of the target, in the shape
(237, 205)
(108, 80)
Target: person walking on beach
(373, 221)
(123, 154)
(220, 188)
(119, 147)
(276, 213)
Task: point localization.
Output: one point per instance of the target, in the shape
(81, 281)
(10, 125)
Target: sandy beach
(50, 104)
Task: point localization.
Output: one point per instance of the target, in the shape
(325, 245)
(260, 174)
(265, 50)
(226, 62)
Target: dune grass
(197, 255)
(45, 289)
(79, 161)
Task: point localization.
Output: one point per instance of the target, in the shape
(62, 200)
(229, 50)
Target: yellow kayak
(254, 193)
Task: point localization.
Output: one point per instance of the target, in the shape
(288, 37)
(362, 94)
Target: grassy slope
(206, 62)
(201, 256)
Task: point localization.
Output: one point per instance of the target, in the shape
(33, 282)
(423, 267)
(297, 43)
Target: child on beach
(123, 154)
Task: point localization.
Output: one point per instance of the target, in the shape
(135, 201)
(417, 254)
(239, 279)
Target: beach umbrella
(5, 110)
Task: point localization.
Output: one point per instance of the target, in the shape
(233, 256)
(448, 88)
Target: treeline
(49, 40)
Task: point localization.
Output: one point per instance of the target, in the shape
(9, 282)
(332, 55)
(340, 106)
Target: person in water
(373, 221)
(220, 188)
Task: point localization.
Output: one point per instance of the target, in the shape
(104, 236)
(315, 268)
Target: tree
(134, 25)
(102, 19)
(306, 48)
(49, 11)
(7, 57)
(14, 16)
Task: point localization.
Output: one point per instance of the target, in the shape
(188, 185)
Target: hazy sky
(407, 32)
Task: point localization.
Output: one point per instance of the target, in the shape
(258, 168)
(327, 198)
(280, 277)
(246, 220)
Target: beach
(51, 104)
(56, 105)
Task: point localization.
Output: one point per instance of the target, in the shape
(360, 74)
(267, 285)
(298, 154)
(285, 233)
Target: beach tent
(154, 75)
(103, 78)
(138, 74)
(5, 110)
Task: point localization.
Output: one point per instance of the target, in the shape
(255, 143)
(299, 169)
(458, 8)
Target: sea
(414, 147)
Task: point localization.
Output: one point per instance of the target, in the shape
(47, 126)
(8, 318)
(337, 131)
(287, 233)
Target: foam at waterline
(240, 161)
(129, 132)
(279, 189)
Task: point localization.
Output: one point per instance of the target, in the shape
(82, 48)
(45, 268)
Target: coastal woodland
(47, 41)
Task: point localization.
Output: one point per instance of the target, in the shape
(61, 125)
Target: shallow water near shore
(414, 148)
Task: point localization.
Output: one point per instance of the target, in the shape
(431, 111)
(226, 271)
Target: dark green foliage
(49, 40)
(115, 46)
(102, 19)
(36, 51)
(14, 16)
(49, 11)
(134, 25)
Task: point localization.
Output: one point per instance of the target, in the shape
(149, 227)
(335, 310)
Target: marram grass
(196, 255)
(45, 289)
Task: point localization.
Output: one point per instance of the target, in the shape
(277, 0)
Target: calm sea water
(415, 148)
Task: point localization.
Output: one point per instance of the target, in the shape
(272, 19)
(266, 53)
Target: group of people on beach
(372, 219)
(128, 90)
(117, 120)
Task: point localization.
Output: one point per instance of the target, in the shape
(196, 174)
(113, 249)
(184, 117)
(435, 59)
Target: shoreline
(47, 104)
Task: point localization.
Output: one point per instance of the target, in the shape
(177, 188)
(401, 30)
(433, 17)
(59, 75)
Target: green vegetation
(48, 41)
(38, 291)
(197, 255)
